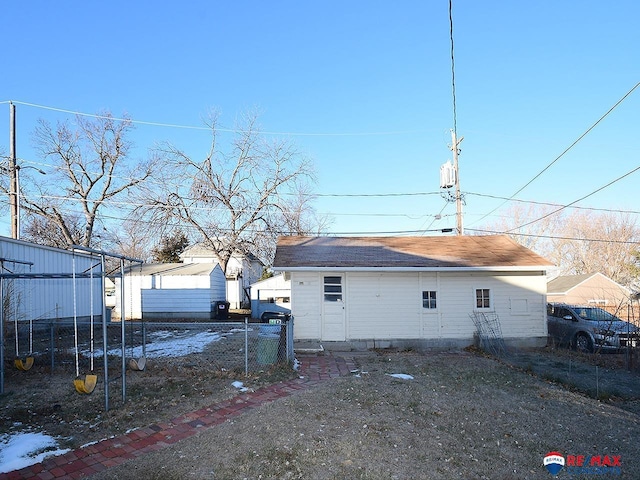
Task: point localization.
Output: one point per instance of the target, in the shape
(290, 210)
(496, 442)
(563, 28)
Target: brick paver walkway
(114, 451)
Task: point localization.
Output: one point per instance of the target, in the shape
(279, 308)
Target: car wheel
(583, 343)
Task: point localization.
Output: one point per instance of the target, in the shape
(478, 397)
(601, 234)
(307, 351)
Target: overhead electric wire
(549, 204)
(558, 237)
(391, 133)
(220, 129)
(575, 201)
(575, 142)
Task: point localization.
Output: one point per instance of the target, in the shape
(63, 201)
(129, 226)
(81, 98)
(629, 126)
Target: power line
(566, 149)
(558, 237)
(549, 204)
(219, 129)
(576, 201)
(356, 195)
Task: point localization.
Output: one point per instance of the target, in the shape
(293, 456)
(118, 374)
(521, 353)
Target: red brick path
(114, 451)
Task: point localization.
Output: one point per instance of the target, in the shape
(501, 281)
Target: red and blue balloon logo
(554, 461)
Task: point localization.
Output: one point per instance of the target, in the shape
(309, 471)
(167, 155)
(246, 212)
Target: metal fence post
(290, 353)
(246, 346)
(52, 346)
(105, 344)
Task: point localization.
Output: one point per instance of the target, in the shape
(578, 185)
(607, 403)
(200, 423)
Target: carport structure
(65, 288)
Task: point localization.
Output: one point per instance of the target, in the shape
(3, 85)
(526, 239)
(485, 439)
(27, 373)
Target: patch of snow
(23, 449)
(164, 343)
(240, 386)
(402, 376)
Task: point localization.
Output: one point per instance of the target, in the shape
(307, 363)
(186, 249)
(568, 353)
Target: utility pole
(454, 146)
(13, 173)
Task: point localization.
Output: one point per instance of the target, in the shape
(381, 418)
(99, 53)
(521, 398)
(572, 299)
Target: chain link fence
(602, 374)
(68, 348)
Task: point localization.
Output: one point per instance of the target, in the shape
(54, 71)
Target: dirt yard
(463, 415)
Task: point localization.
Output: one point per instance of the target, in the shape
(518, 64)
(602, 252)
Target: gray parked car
(590, 328)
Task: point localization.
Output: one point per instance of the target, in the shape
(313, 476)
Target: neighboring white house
(426, 291)
(271, 295)
(170, 290)
(242, 271)
(38, 282)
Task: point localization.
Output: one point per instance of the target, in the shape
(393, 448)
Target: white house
(242, 271)
(170, 290)
(271, 295)
(426, 291)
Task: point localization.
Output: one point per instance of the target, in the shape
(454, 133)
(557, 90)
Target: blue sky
(363, 87)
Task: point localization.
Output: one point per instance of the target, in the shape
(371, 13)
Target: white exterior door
(333, 311)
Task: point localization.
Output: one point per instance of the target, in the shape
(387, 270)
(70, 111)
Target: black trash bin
(221, 310)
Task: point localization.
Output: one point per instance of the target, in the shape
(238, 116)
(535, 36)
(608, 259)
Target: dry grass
(463, 415)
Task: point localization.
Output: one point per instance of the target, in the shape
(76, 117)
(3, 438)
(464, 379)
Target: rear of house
(422, 291)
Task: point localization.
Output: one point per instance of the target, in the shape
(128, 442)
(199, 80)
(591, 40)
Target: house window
(429, 299)
(332, 289)
(597, 301)
(483, 298)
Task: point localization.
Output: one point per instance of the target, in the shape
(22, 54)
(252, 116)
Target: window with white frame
(332, 289)
(429, 299)
(483, 299)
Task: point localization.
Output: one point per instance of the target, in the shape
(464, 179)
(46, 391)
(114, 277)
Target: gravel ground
(463, 415)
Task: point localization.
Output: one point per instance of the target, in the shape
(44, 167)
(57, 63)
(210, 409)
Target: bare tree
(230, 200)
(582, 241)
(597, 242)
(298, 215)
(534, 235)
(295, 215)
(91, 169)
(131, 239)
(44, 230)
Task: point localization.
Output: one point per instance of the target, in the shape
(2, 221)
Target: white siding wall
(381, 306)
(133, 285)
(49, 298)
(233, 293)
(218, 285)
(185, 301)
(389, 305)
(212, 288)
(168, 282)
(306, 295)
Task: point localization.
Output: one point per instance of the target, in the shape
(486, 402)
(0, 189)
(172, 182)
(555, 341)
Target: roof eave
(534, 268)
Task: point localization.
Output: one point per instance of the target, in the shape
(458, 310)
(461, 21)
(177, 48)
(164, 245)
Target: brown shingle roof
(404, 252)
(565, 283)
